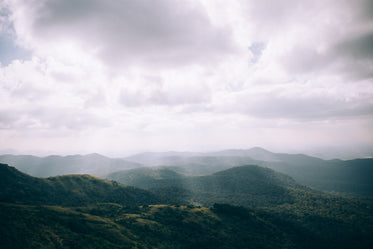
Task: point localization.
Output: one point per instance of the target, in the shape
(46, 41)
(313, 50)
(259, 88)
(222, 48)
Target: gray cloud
(365, 9)
(69, 118)
(278, 104)
(360, 47)
(308, 108)
(7, 119)
(161, 32)
(319, 37)
(165, 97)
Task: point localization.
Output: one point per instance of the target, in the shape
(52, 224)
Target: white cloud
(187, 74)
(123, 33)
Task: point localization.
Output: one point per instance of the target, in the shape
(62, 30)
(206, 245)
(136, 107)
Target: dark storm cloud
(131, 32)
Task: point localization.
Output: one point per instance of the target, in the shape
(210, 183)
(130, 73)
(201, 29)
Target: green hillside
(70, 190)
(245, 185)
(165, 226)
(81, 211)
(349, 177)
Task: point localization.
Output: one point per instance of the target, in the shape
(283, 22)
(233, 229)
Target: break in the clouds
(94, 75)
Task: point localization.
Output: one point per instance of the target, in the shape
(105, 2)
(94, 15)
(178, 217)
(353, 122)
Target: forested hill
(69, 190)
(347, 177)
(81, 211)
(248, 185)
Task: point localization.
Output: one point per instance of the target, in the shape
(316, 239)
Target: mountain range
(347, 177)
(94, 164)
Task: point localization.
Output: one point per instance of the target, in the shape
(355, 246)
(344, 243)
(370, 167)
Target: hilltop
(69, 190)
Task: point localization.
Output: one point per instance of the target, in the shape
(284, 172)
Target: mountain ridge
(345, 177)
(67, 190)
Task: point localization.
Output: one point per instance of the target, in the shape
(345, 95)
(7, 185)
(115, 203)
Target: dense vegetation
(166, 226)
(81, 211)
(70, 190)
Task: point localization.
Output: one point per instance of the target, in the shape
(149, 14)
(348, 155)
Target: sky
(122, 76)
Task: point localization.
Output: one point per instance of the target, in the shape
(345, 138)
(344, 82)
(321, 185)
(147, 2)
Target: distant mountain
(148, 177)
(244, 185)
(255, 153)
(69, 190)
(351, 177)
(156, 158)
(93, 164)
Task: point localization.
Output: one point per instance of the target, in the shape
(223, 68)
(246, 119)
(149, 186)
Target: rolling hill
(349, 177)
(81, 211)
(69, 190)
(346, 177)
(245, 185)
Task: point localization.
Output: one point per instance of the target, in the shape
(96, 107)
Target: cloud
(169, 92)
(301, 102)
(126, 33)
(315, 37)
(165, 73)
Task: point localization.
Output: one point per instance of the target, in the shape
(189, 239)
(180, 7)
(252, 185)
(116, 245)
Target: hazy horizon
(323, 154)
(121, 77)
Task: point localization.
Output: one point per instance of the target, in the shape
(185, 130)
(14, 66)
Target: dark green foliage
(275, 212)
(72, 190)
(24, 226)
(167, 226)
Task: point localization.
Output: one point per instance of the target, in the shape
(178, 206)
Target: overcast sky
(121, 76)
